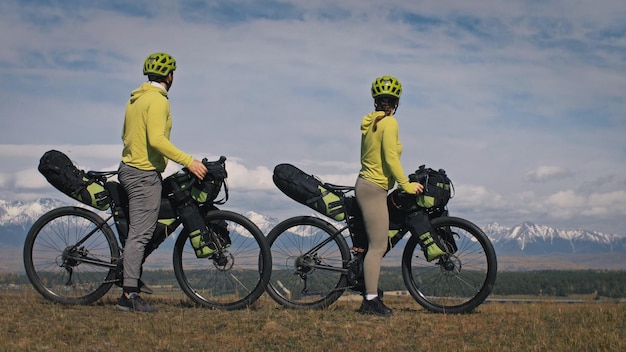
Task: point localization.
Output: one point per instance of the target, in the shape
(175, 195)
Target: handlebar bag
(308, 190)
(61, 172)
(438, 187)
(201, 191)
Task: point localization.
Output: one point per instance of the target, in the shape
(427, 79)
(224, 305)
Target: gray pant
(144, 196)
(372, 200)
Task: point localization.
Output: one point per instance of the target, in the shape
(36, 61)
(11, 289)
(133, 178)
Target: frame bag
(61, 172)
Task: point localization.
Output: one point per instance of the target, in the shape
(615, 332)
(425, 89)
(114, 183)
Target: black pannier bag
(61, 172)
(189, 194)
(308, 190)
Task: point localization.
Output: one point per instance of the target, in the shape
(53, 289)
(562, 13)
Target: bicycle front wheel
(232, 278)
(70, 256)
(309, 261)
(459, 281)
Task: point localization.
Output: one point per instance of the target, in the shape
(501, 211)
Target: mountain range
(547, 246)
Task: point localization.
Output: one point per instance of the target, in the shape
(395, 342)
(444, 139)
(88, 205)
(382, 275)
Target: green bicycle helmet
(159, 64)
(386, 85)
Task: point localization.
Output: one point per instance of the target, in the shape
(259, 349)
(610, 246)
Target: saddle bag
(308, 190)
(61, 172)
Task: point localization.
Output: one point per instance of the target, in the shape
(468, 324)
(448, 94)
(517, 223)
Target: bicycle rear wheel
(309, 261)
(231, 279)
(70, 255)
(457, 282)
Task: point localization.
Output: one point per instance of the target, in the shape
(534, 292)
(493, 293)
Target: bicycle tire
(456, 283)
(233, 281)
(71, 276)
(294, 283)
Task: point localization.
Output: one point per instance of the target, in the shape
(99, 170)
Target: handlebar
(207, 164)
(221, 160)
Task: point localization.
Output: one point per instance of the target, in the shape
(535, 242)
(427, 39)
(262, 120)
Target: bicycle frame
(169, 219)
(322, 244)
(73, 253)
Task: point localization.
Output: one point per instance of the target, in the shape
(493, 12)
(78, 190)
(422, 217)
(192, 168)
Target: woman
(380, 170)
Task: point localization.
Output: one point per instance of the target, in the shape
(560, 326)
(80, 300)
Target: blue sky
(523, 103)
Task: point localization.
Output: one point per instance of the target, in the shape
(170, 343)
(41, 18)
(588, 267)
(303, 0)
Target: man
(147, 149)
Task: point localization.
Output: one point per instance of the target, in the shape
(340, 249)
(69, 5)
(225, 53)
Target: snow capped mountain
(529, 238)
(16, 218)
(264, 222)
(18, 213)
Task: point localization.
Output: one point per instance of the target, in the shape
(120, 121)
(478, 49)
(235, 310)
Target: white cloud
(548, 173)
(239, 177)
(29, 179)
(569, 204)
(5, 180)
(470, 196)
(607, 204)
(566, 200)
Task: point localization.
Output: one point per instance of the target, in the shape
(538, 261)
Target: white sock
(370, 297)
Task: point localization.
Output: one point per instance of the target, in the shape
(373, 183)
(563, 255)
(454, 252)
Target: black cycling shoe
(375, 307)
(134, 303)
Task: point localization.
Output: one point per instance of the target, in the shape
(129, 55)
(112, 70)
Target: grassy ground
(30, 323)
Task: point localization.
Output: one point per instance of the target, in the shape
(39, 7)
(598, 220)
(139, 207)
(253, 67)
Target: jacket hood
(146, 88)
(369, 119)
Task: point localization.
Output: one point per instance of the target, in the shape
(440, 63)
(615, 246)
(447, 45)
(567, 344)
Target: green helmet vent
(386, 86)
(159, 64)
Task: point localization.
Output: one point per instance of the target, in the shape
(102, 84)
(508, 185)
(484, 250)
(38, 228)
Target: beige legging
(373, 202)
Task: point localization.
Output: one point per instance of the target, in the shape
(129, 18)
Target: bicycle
(313, 264)
(72, 255)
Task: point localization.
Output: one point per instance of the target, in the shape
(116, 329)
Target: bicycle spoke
(309, 258)
(63, 271)
(457, 282)
(229, 280)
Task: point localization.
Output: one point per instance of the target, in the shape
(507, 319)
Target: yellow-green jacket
(146, 132)
(380, 153)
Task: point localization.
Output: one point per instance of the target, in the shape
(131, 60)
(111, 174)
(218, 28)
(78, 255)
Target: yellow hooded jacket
(380, 153)
(146, 132)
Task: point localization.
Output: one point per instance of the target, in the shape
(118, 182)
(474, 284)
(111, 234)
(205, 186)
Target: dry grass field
(30, 323)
